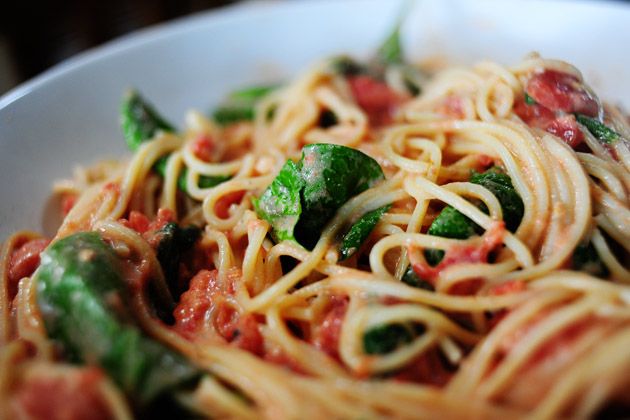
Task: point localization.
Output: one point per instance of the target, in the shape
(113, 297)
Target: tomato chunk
(375, 98)
(559, 91)
(563, 126)
(68, 201)
(223, 204)
(24, 261)
(327, 335)
(428, 369)
(459, 255)
(203, 147)
(204, 311)
(512, 286)
(69, 395)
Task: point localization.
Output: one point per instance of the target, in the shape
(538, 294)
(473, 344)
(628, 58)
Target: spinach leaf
(599, 130)
(81, 295)
(529, 100)
(139, 120)
(174, 241)
(240, 105)
(390, 51)
(327, 119)
(500, 185)
(387, 338)
(205, 181)
(412, 279)
(332, 174)
(280, 203)
(450, 223)
(585, 258)
(359, 232)
(346, 66)
(306, 195)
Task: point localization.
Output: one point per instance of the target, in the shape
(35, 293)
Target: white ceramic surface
(69, 114)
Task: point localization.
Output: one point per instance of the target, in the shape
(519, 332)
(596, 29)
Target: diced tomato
(24, 261)
(551, 360)
(428, 368)
(534, 115)
(138, 222)
(466, 288)
(141, 223)
(194, 303)
(327, 335)
(451, 106)
(485, 160)
(202, 147)
(222, 206)
(163, 217)
(278, 357)
(247, 336)
(112, 187)
(512, 286)
(567, 129)
(203, 308)
(69, 395)
(560, 91)
(562, 342)
(67, 203)
(375, 98)
(563, 126)
(459, 255)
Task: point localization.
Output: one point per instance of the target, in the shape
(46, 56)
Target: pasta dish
(371, 240)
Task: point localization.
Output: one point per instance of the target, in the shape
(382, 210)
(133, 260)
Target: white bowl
(69, 114)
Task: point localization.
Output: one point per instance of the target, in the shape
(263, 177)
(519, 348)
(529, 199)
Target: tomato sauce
(203, 147)
(492, 238)
(326, 337)
(557, 97)
(428, 369)
(223, 204)
(24, 261)
(73, 395)
(204, 310)
(377, 99)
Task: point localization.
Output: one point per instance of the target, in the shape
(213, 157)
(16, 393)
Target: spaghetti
(489, 278)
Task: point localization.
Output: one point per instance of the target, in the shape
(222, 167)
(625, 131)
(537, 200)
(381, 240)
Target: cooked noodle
(556, 344)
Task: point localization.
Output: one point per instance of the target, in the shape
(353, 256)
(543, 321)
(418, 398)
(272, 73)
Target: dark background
(35, 35)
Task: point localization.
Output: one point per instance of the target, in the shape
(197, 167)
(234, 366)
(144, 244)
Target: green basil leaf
(599, 130)
(359, 231)
(280, 203)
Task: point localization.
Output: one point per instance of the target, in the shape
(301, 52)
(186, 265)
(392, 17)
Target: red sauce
(428, 369)
(459, 255)
(512, 286)
(141, 223)
(559, 91)
(558, 96)
(375, 98)
(24, 261)
(326, 337)
(280, 358)
(203, 147)
(223, 204)
(71, 396)
(563, 126)
(203, 310)
(452, 107)
(67, 203)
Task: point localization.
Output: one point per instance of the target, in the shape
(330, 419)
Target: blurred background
(35, 35)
